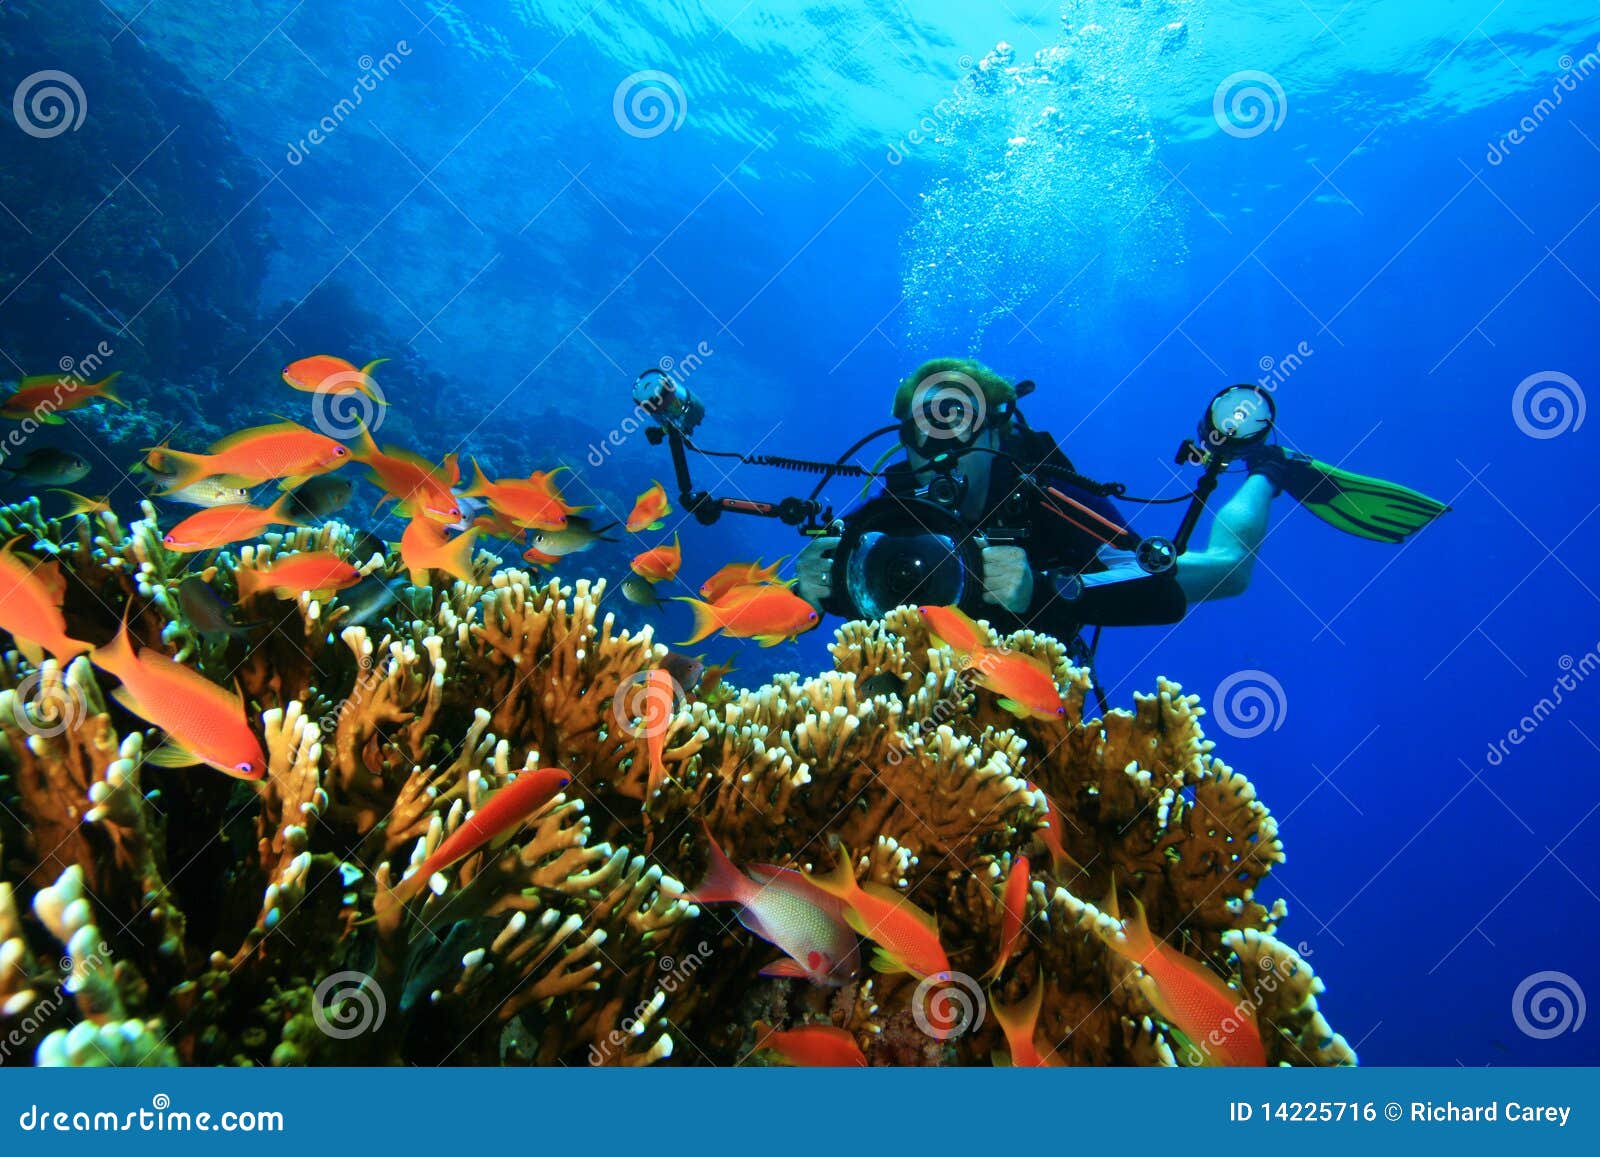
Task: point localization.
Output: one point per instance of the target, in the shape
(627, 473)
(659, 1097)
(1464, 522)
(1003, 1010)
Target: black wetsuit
(1116, 591)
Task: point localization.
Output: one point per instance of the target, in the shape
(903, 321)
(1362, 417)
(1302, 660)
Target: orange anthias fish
(535, 557)
(320, 572)
(906, 936)
(503, 813)
(812, 1046)
(416, 485)
(649, 509)
(767, 614)
(711, 678)
(1014, 909)
(954, 628)
(42, 396)
(1025, 685)
(31, 594)
(738, 574)
(424, 546)
(1050, 835)
(531, 503)
(660, 701)
(325, 374)
(659, 564)
(1020, 1023)
(281, 450)
(496, 525)
(204, 723)
(221, 525)
(786, 910)
(83, 503)
(1218, 1021)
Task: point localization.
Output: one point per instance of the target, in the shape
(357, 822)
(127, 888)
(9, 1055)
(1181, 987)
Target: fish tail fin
(366, 449)
(105, 391)
(249, 581)
(78, 503)
(722, 883)
(368, 387)
(283, 511)
(706, 622)
(480, 482)
(1136, 942)
(186, 469)
(1019, 1021)
(840, 880)
(455, 559)
(116, 656)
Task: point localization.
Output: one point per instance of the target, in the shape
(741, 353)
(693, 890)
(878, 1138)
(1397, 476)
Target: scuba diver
(987, 513)
(1052, 553)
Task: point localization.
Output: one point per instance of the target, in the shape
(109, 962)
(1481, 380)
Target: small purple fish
(785, 909)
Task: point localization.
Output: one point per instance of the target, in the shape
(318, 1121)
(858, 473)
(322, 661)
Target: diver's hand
(813, 568)
(1007, 578)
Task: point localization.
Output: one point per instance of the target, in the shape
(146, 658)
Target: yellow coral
(229, 907)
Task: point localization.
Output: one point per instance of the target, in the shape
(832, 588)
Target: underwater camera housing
(668, 401)
(895, 551)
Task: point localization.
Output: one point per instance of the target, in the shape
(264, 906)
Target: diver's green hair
(997, 391)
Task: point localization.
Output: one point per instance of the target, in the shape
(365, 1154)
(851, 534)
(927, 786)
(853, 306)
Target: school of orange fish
(814, 919)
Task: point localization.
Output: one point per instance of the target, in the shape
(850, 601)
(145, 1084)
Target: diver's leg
(1223, 568)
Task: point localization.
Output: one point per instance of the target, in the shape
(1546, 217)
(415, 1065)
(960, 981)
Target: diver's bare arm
(1223, 568)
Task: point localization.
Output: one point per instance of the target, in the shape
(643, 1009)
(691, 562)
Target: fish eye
(167, 540)
(340, 451)
(245, 768)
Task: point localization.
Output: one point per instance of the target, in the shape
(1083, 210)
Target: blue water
(839, 191)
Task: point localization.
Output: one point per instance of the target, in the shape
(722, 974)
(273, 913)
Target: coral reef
(158, 916)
